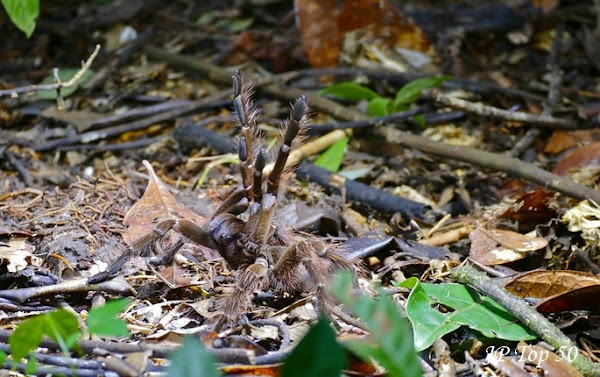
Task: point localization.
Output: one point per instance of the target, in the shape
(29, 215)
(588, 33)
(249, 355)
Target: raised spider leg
(262, 227)
(247, 118)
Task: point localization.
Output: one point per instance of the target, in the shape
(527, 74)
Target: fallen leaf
(542, 283)
(496, 246)
(586, 156)
(585, 298)
(156, 203)
(324, 24)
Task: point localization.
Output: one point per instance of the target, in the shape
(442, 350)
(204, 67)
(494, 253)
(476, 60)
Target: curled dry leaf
(543, 283)
(156, 203)
(496, 246)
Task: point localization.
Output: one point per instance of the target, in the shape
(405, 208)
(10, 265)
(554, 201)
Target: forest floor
(445, 145)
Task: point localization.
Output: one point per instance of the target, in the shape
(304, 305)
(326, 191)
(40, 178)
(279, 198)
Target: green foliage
(59, 325)
(65, 75)
(469, 308)
(378, 105)
(392, 345)
(62, 327)
(191, 360)
(104, 320)
(332, 158)
(235, 25)
(412, 91)
(23, 14)
(317, 354)
(349, 91)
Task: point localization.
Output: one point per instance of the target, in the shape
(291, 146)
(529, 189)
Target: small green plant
(332, 158)
(469, 308)
(378, 105)
(23, 14)
(62, 327)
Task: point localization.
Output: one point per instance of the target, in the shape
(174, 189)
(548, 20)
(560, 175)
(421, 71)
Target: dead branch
(494, 112)
(57, 85)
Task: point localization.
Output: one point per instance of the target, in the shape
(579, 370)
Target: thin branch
(57, 85)
(494, 112)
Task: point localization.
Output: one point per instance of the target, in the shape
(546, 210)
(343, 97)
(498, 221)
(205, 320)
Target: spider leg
(262, 228)
(247, 117)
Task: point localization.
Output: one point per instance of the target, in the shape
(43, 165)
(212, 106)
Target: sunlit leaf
(23, 14)
(62, 327)
(104, 320)
(412, 91)
(332, 158)
(191, 360)
(469, 309)
(236, 25)
(378, 107)
(317, 354)
(349, 91)
(65, 75)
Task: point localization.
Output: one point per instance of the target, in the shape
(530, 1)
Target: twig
(71, 286)
(526, 314)
(56, 86)
(494, 112)
(504, 163)
(135, 125)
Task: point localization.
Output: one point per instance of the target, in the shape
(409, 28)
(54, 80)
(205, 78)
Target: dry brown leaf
(531, 208)
(496, 246)
(543, 283)
(585, 298)
(323, 25)
(317, 22)
(156, 203)
(552, 364)
(586, 156)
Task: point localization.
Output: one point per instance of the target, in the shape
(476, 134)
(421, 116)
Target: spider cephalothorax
(242, 228)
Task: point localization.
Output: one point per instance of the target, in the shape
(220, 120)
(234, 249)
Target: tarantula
(242, 228)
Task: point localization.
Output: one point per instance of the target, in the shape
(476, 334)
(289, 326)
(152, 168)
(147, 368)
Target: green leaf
(470, 309)
(23, 14)
(65, 75)
(412, 91)
(31, 367)
(104, 320)
(349, 91)
(378, 107)
(63, 328)
(332, 158)
(317, 354)
(420, 119)
(191, 360)
(26, 337)
(236, 25)
(3, 357)
(394, 347)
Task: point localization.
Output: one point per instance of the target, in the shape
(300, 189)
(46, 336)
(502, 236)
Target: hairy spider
(243, 230)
